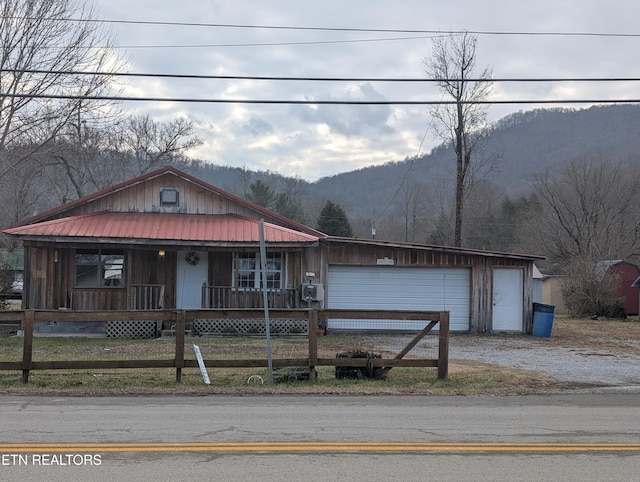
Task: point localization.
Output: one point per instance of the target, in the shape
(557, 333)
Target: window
(98, 268)
(169, 196)
(246, 270)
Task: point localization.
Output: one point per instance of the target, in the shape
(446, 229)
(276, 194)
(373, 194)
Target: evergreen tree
(333, 221)
(282, 203)
(261, 194)
(287, 206)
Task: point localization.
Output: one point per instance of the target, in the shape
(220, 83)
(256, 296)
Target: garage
(398, 288)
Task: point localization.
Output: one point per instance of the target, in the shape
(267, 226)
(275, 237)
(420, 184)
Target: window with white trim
(246, 270)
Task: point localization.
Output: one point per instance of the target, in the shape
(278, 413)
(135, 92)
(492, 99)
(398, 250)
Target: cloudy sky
(516, 39)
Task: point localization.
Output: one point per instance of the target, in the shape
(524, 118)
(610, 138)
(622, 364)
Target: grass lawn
(465, 377)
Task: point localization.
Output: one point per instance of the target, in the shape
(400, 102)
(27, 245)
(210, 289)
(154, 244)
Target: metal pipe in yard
(265, 298)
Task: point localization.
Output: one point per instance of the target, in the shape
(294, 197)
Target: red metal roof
(59, 210)
(227, 228)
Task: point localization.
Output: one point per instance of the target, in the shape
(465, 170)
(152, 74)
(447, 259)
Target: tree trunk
(460, 173)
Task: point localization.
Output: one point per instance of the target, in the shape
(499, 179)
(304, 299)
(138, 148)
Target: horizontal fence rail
(180, 318)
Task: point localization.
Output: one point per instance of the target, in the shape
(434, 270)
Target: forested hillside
(519, 145)
(403, 200)
(410, 199)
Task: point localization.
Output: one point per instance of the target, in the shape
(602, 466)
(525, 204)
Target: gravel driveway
(614, 367)
(589, 366)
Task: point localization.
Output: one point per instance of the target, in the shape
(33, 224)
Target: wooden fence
(180, 318)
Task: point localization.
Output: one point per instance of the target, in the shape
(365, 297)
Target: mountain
(520, 144)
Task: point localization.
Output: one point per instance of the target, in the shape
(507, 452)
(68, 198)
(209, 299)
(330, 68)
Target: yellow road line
(15, 448)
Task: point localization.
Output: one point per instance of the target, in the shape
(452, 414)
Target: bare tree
(462, 123)
(90, 158)
(589, 289)
(590, 210)
(149, 144)
(438, 213)
(47, 49)
(482, 211)
(25, 194)
(245, 180)
(411, 203)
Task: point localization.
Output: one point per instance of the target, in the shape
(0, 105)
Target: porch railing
(151, 297)
(147, 297)
(228, 297)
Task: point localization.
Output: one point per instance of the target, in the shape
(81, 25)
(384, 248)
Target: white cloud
(321, 140)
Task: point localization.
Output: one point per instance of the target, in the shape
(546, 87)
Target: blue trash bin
(542, 319)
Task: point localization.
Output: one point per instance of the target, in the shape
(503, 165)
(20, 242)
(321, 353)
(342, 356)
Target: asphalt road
(558, 437)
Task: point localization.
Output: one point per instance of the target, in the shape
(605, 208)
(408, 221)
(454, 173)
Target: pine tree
(261, 194)
(333, 221)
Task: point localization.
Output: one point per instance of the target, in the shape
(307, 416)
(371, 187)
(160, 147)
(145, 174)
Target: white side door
(507, 299)
(192, 273)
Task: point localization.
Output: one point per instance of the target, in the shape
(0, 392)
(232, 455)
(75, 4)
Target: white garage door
(399, 288)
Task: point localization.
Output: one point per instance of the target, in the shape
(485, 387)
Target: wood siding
(49, 273)
(481, 266)
(145, 197)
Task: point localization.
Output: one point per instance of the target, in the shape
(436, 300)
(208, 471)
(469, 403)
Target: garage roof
(431, 247)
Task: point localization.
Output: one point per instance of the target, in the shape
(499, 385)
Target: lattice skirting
(249, 326)
(132, 329)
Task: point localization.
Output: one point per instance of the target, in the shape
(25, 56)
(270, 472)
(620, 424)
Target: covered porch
(150, 261)
(170, 279)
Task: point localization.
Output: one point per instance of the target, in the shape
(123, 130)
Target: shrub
(588, 291)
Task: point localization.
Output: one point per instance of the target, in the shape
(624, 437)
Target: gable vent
(169, 196)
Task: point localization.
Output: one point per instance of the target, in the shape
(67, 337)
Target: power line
(406, 174)
(315, 102)
(322, 79)
(416, 33)
(339, 29)
(271, 44)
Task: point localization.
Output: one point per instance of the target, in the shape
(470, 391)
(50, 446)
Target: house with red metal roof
(168, 240)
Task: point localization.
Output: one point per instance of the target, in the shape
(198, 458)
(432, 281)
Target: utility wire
(270, 44)
(322, 79)
(406, 174)
(337, 29)
(315, 102)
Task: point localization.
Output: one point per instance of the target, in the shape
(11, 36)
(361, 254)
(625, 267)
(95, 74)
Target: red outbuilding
(628, 273)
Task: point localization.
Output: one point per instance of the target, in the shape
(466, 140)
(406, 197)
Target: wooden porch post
(180, 332)
(313, 343)
(27, 347)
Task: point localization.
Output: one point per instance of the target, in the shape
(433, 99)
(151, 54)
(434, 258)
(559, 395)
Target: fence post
(27, 346)
(180, 332)
(443, 346)
(313, 343)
